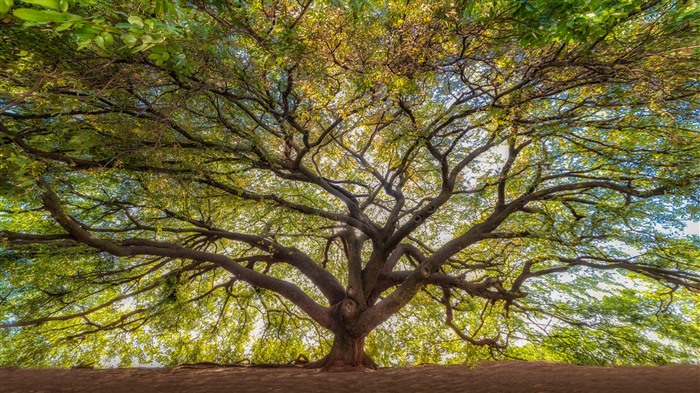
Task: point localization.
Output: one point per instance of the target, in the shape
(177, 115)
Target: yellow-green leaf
(52, 4)
(136, 21)
(6, 6)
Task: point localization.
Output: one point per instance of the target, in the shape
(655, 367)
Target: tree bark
(347, 354)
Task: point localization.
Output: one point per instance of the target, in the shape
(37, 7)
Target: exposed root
(341, 367)
(369, 362)
(338, 365)
(320, 363)
(300, 360)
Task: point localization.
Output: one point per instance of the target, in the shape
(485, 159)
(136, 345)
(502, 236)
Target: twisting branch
(449, 321)
(136, 246)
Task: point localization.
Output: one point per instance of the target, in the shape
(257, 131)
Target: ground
(492, 377)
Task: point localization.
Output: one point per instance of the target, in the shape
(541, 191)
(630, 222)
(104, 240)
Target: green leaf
(159, 49)
(31, 15)
(162, 7)
(136, 21)
(64, 26)
(141, 47)
(52, 4)
(128, 39)
(83, 44)
(6, 6)
(109, 39)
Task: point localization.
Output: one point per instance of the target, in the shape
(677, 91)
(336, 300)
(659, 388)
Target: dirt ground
(492, 377)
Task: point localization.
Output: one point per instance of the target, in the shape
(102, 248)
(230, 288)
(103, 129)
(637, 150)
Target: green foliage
(205, 181)
(618, 325)
(106, 26)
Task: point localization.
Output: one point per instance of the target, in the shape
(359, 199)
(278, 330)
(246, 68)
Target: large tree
(327, 163)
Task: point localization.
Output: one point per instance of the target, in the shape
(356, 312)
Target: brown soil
(492, 377)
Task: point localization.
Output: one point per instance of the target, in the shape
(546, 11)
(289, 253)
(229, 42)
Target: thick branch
(132, 247)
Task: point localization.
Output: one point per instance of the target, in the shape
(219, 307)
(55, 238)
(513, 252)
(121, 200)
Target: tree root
(328, 365)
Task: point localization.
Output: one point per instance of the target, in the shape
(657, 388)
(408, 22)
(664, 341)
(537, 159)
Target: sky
(692, 227)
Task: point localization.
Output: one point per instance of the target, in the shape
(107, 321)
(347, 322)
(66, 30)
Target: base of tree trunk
(347, 352)
(327, 364)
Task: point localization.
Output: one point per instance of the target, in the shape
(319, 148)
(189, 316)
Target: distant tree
(210, 171)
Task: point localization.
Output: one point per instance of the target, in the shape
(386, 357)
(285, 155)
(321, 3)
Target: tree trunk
(347, 354)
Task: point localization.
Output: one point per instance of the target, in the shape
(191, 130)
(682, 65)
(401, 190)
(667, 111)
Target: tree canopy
(401, 181)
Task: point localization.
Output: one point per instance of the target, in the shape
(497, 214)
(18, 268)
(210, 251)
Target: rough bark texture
(347, 352)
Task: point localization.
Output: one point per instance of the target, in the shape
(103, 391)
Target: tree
(335, 163)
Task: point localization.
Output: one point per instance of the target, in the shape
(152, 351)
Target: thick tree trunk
(347, 354)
